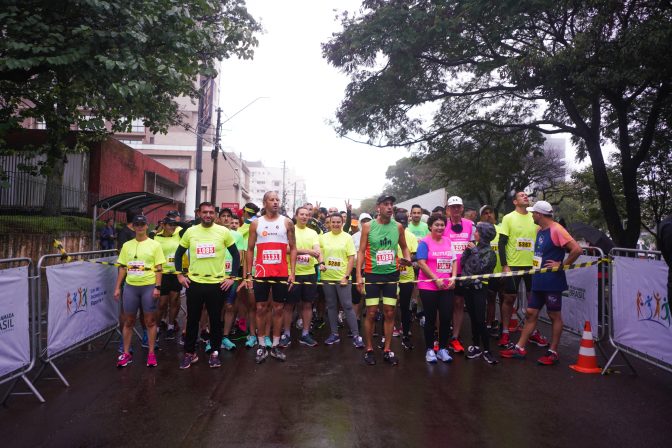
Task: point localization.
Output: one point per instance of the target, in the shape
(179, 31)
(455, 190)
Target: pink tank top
(440, 259)
(460, 240)
(271, 248)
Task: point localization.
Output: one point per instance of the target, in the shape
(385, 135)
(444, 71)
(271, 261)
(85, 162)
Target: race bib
(525, 244)
(227, 266)
(170, 260)
(444, 265)
(494, 246)
(271, 256)
(205, 250)
(334, 263)
(385, 257)
(303, 260)
(459, 246)
(536, 262)
(135, 267)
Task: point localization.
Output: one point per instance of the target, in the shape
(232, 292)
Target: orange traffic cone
(514, 323)
(587, 362)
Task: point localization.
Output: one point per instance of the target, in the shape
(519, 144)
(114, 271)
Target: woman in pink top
(438, 269)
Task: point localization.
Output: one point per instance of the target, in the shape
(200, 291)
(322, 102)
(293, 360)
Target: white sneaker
(430, 356)
(444, 356)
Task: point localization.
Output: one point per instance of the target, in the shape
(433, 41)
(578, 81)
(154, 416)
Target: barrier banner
(14, 320)
(81, 303)
(579, 302)
(641, 308)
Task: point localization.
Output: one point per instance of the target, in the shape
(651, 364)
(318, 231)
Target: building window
(138, 125)
(40, 123)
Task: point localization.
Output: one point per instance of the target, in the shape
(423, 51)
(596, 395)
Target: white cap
(542, 207)
(364, 216)
(454, 200)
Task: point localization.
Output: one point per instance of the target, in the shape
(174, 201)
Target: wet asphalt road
(326, 396)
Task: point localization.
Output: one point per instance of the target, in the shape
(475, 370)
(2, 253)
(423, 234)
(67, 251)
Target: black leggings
(212, 296)
(405, 291)
(476, 300)
(441, 301)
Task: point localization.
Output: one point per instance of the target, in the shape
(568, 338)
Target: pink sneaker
(124, 360)
(396, 333)
(538, 339)
(151, 360)
(242, 324)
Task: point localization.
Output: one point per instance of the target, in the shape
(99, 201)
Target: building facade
(283, 180)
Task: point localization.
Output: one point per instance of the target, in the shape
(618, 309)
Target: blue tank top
(545, 250)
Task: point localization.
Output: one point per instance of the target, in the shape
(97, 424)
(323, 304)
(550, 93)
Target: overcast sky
(303, 93)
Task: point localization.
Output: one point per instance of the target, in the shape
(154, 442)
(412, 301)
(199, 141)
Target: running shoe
(436, 346)
(242, 325)
(514, 352)
(188, 360)
(358, 342)
(205, 335)
(170, 334)
(444, 355)
(308, 340)
(396, 332)
(151, 360)
(227, 344)
(422, 321)
(473, 352)
(214, 361)
(332, 339)
(124, 360)
(267, 342)
(278, 354)
(318, 323)
(489, 357)
(144, 342)
(262, 354)
(551, 358)
(390, 358)
(493, 332)
(406, 343)
(182, 339)
(504, 340)
(381, 345)
(430, 356)
(538, 339)
(251, 341)
(370, 358)
(208, 347)
(284, 341)
(456, 346)
(299, 324)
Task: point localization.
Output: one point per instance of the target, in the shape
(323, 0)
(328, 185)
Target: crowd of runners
(250, 279)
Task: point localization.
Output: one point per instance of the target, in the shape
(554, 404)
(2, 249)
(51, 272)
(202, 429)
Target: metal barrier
(48, 360)
(623, 349)
(20, 373)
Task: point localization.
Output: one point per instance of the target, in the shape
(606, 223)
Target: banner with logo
(81, 303)
(641, 308)
(579, 302)
(14, 320)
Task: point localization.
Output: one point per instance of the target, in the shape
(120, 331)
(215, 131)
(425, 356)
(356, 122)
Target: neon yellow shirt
(168, 246)
(420, 231)
(407, 274)
(522, 232)
(140, 259)
(207, 251)
(305, 239)
(495, 246)
(335, 251)
(240, 245)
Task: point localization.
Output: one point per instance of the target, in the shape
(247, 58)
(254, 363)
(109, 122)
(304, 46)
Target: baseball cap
(542, 207)
(139, 220)
(454, 200)
(170, 221)
(484, 208)
(385, 197)
(363, 216)
(173, 213)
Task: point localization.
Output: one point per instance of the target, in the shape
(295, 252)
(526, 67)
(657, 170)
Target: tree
(410, 177)
(80, 64)
(594, 69)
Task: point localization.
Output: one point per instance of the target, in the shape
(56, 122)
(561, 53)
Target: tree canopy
(596, 70)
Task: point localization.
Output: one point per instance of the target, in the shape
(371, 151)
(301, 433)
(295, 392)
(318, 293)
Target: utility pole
(199, 145)
(215, 158)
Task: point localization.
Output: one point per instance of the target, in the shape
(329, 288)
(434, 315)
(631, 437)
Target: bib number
(524, 244)
(536, 262)
(136, 268)
(459, 246)
(444, 265)
(303, 259)
(227, 266)
(205, 250)
(171, 261)
(271, 257)
(334, 263)
(385, 257)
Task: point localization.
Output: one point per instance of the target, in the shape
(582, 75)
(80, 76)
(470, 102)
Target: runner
(356, 296)
(416, 226)
(495, 285)
(141, 260)
(226, 219)
(436, 282)
(550, 245)
(479, 259)
(377, 255)
(461, 233)
(169, 302)
(269, 235)
(308, 255)
(206, 282)
(338, 259)
(248, 214)
(406, 286)
(516, 251)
